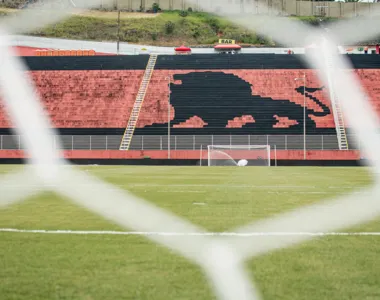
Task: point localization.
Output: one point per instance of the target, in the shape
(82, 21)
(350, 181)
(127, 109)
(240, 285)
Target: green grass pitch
(51, 266)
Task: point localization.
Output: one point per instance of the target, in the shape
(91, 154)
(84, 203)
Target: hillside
(169, 28)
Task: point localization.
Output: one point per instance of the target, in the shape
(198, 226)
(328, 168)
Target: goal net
(240, 156)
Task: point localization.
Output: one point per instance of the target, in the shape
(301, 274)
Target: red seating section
(284, 122)
(86, 99)
(370, 80)
(104, 99)
(238, 122)
(33, 51)
(193, 122)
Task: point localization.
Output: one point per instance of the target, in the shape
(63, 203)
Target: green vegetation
(315, 21)
(48, 266)
(170, 28)
(12, 3)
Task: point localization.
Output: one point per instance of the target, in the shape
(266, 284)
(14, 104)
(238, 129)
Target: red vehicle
(227, 48)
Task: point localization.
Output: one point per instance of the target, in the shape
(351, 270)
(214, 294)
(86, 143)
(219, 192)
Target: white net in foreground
(221, 258)
(238, 155)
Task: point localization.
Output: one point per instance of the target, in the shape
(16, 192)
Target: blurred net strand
(10, 195)
(43, 12)
(219, 257)
(348, 210)
(357, 30)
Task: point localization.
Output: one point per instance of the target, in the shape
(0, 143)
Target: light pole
(118, 32)
(169, 80)
(304, 113)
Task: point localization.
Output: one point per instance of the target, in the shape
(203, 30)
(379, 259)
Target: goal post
(238, 155)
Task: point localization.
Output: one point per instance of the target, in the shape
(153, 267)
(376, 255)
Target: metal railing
(182, 142)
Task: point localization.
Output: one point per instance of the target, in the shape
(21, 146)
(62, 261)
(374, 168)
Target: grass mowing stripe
(246, 234)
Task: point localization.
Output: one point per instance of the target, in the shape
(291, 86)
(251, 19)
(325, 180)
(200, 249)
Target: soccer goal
(238, 155)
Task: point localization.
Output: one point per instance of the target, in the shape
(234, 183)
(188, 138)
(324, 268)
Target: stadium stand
(210, 94)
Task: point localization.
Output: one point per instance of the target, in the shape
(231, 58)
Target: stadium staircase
(339, 122)
(337, 110)
(128, 134)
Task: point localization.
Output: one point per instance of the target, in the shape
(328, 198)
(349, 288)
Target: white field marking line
(221, 185)
(298, 192)
(238, 234)
(179, 191)
(246, 191)
(243, 191)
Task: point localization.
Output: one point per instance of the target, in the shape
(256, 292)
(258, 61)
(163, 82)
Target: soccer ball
(242, 163)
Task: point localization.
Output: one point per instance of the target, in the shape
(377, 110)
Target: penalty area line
(238, 234)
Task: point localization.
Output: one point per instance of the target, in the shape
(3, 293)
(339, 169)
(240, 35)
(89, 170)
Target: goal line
(238, 234)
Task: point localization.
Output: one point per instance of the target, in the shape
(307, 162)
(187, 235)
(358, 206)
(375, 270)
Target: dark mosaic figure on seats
(217, 97)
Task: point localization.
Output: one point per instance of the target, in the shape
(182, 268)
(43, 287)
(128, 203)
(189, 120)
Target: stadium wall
(190, 154)
(261, 7)
(191, 157)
